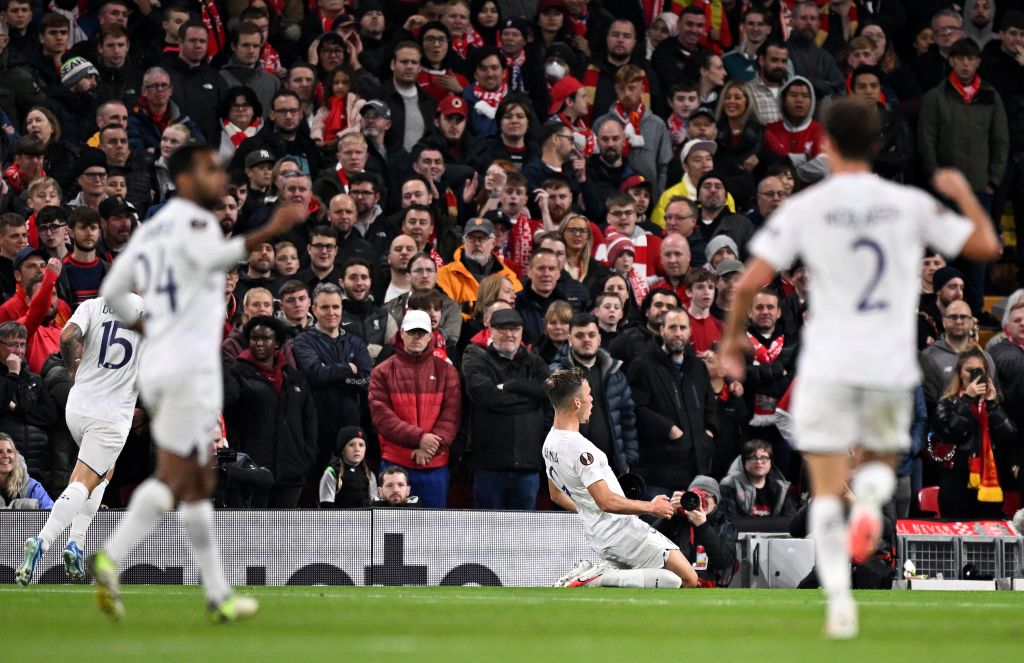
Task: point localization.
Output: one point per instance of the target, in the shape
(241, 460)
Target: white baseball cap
(416, 320)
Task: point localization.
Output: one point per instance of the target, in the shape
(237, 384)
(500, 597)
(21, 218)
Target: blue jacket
(617, 401)
(144, 134)
(36, 492)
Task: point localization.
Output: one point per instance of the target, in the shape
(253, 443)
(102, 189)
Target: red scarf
(274, 374)
(631, 118)
(342, 177)
(314, 206)
(983, 471)
(436, 257)
(17, 179)
(270, 59)
(161, 121)
(580, 127)
(674, 125)
(237, 135)
(967, 92)
(578, 26)
(210, 16)
(452, 205)
(517, 61)
(652, 9)
(461, 44)
(764, 405)
(440, 346)
(639, 286)
(492, 98)
(520, 244)
(276, 5)
(336, 119)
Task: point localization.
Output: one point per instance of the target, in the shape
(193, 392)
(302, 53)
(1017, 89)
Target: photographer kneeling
(704, 530)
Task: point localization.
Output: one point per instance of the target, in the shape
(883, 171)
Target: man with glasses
(423, 276)
(770, 194)
(474, 261)
(144, 131)
(52, 224)
(92, 178)
(932, 66)
(755, 486)
(284, 135)
(322, 250)
(938, 360)
(558, 157)
(621, 217)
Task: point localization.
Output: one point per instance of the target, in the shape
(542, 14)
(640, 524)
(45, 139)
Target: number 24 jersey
(861, 239)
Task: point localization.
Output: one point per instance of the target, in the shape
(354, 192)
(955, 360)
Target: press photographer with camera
(704, 529)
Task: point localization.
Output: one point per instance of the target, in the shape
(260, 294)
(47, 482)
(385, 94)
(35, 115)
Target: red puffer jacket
(412, 395)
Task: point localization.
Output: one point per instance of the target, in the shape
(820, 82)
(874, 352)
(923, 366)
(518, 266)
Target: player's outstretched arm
(610, 502)
(559, 497)
(284, 219)
(983, 244)
(734, 337)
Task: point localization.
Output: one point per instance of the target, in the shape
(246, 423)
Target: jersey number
(555, 480)
(866, 304)
(110, 339)
(165, 283)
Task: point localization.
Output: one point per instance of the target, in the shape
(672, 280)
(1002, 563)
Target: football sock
(640, 579)
(832, 559)
(80, 525)
(873, 484)
(198, 520)
(149, 503)
(64, 509)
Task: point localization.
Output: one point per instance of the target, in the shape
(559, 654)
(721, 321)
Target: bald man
(675, 262)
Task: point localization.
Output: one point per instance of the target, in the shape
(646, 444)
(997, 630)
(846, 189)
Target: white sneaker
(581, 566)
(590, 575)
(841, 618)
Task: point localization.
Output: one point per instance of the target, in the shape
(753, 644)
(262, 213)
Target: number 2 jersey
(106, 385)
(862, 239)
(177, 261)
(573, 463)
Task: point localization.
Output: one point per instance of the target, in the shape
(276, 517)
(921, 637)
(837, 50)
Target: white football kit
(861, 239)
(177, 260)
(573, 463)
(101, 402)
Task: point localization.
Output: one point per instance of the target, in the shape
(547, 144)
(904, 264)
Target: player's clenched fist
(951, 183)
(662, 507)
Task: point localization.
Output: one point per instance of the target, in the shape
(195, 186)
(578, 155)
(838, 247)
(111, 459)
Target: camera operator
(704, 530)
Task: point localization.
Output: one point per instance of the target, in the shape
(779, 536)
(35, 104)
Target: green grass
(414, 624)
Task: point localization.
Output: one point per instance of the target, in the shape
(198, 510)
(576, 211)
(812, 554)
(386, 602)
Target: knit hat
(617, 244)
(515, 23)
(89, 157)
(75, 70)
(346, 434)
(708, 485)
(719, 242)
(944, 276)
(712, 175)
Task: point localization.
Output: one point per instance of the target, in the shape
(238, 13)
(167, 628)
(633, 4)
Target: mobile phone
(976, 374)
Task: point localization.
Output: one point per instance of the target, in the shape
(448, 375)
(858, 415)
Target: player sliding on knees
(633, 554)
(861, 238)
(178, 260)
(102, 356)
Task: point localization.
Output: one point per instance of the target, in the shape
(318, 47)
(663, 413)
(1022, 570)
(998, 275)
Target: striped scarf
(461, 44)
(492, 98)
(210, 16)
(983, 472)
(631, 118)
(237, 135)
(520, 244)
(270, 59)
(580, 127)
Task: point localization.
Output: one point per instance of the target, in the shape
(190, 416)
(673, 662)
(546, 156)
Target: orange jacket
(461, 286)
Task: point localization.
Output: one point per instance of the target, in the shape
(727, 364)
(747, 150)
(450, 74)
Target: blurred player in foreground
(177, 262)
(862, 239)
(633, 554)
(102, 355)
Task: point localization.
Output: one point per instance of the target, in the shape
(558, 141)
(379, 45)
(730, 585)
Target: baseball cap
(697, 144)
(416, 320)
(562, 90)
(343, 20)
(114, 206)
(496, 216)
(27, 252)
(479, 225)
(256, 157)
(634, 181)
(376, 104)
(729, 267)
(506, 317)
(701, 110)
(452, 105)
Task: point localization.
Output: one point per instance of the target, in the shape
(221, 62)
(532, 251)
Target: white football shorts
(639, 546)
(100, 442)
(185, 415)
(835, 418)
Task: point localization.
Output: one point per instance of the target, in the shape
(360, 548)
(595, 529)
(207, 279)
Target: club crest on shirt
(198, 224)
(586, 458)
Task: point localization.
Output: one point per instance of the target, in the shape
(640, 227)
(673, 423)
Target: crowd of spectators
(497, 189)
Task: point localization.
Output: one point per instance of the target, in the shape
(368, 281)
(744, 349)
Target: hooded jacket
(736, 485)
(985, 33)
(801, 143)
(461, 286)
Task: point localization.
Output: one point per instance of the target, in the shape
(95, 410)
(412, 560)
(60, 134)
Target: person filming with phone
(704, 529)
(970, 417)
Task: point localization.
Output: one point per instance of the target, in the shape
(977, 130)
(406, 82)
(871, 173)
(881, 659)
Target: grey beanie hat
(708, 485)
(719, 242)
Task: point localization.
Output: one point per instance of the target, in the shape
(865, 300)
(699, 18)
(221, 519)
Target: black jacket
(123, 84)
(33, 413)
(506, 425)
(1007, 76)
(667, 396)
(386, 91)
(268, 139)
(634, 342)
(277, 430)
(366, 320)
(200, 90)
(717, 536)
(955, 424)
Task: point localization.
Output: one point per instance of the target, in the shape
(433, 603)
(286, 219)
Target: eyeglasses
(95, 176)
(435, 41)
(20, 345)
(157, 86)
(958, 317)
(774, 195)
(324, 247)
(577, 231)
(239, 107)
(758, 459)
(51, 227)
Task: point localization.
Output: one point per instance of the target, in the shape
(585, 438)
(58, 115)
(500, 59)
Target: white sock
(80, 525)
(197, 517)
(149, 503)
(873, 484)
(64, 509)
(832, 559)
(640, 579)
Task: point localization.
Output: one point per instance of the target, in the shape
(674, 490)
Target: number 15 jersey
(177, 261)
(861, 239)
(106, 385)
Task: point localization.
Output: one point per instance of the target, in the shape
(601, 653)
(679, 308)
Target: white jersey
(105, 384)
(177, 261)
(861, 238)
(573, 463)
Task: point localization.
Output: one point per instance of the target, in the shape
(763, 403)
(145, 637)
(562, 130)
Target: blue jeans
(431, 486)
(505, 490)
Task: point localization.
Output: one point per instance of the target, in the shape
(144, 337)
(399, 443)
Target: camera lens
(690, 501)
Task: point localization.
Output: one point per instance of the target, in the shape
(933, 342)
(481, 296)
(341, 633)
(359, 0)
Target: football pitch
(505, 624)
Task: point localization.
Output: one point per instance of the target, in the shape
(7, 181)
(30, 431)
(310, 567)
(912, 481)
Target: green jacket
(18, 90)
(972, 137)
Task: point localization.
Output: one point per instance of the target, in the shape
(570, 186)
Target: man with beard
(284, 135)
(599, 78)
(473, 262)
(366, 190)
(809, 60)
(226, 212)
(74, 101)
(449, 132)
(675, 408)
(258, 272)
(322, 250)
(675, 59)
(632, 342)
(412, 109)
(394, 280)
(83, 268)
(675, 263)
(560, 200)
(538, 293)
(765, 88)
(343, 213)
(797, 137)
(948, 285)
(698, 158)
(938, 360)
(715, 218)
(606, 169)
(382, 158)
(557, 157)
(361, 314)
(117, 218)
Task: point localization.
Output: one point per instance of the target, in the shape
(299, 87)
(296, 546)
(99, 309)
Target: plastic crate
(932, 555)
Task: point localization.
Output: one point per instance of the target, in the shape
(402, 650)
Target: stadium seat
(928, 500)
(1011, 503)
